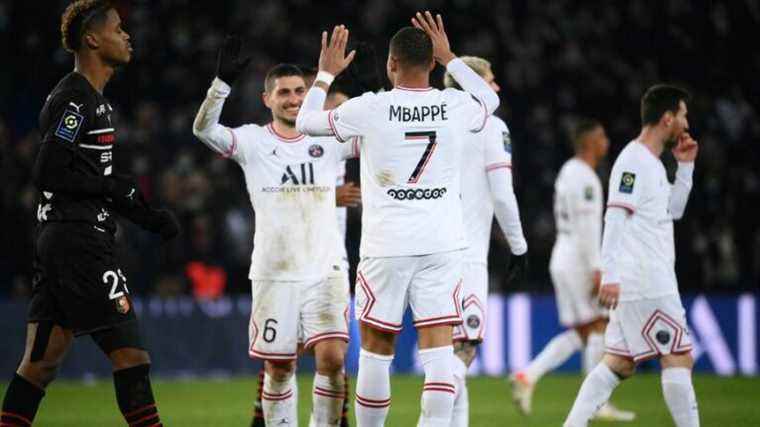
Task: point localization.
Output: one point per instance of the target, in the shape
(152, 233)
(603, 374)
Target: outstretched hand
(332, 57)
(434, 28)
(229, 65)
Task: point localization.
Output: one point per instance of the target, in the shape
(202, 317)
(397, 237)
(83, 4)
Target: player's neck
(285, 129)
(652, 139)
(94, 70)
(589, 158)
(412, 80)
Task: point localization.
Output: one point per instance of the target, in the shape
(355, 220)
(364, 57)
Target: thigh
(46, 342)
(381, 291)
(435, 290)
(324, 311)
(79, 282)
(273, 328)
(654, 327)
(474, 302)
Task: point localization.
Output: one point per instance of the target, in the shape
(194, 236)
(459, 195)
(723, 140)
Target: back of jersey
(410, 167)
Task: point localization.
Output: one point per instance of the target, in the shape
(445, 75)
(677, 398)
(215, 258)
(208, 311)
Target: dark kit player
(79, 287)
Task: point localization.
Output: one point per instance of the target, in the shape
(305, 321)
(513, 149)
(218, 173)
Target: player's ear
(265, 99)
(431, 66)
(91, 40)
(667, 119)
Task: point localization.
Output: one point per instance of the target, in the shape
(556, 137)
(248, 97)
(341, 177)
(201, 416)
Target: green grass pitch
(723, 402)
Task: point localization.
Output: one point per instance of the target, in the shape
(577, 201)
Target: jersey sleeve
(480, 100)
(587, 202)
(626, 184)
(350, 150)
(206, 127)
(350, 118)
(68, 117)
(498, 145)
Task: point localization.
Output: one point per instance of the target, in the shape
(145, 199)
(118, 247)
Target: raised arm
(467, 79)
(312, 119)
(686, 153)
(206, 126)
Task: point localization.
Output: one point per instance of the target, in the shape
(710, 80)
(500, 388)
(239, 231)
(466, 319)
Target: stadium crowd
(555, 61)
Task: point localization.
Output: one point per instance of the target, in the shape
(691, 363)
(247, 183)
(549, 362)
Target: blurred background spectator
(555, 61)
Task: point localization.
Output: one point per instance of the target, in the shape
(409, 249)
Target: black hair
(658, 100)
(412, 47)
(280, 70)
(79, 17)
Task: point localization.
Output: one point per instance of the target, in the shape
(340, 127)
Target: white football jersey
(487, 150)
(410, 166)
(291, 183)
(342, 216)
(645, 259)
(578, 207)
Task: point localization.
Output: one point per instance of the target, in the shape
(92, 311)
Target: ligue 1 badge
(316, 150)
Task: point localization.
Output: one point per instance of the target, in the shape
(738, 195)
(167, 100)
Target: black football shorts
(78, 283)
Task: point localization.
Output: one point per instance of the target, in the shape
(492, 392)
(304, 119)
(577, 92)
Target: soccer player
(79, 285)
(298, 282)
(575, 269)
(412, 229)
(647, 320)
(486, 190)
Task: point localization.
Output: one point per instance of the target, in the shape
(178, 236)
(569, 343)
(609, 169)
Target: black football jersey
(79, 117)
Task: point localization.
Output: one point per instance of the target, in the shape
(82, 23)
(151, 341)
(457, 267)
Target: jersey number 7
(412, 136)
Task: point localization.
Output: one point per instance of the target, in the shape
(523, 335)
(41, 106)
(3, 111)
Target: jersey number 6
(412, 136)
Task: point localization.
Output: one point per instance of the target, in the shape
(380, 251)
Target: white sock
(593, 352)
(595, 392)
(278, 402)
(460, 415)
(680, 397)
(556, 352)
(373, 389)
(439, 390)
(328, 400)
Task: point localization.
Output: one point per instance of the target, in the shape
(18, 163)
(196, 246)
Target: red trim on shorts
(325, 336)
(452, 319)
(284, 138)
(618, 352)
(272, 356)
(365, 317)
(373, 403)
(626, 206)
(494, 166)
(470, 300)
(675, 347)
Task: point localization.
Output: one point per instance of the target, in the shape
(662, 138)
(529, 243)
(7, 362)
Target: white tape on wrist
(325, 77)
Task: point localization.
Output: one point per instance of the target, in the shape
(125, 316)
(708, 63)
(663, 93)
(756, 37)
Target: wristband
(325, 77)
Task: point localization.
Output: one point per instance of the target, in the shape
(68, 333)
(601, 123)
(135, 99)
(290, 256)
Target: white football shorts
(474, 302)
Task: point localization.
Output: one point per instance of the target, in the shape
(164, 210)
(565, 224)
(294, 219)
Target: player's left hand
(518, 268)
(229, 64)
(609, 295)
(686, 149)
(332, 57)
(434, 28)
(348, 195)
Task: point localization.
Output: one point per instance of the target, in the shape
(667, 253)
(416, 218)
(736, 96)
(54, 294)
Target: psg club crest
(316, 151)
(473, 321)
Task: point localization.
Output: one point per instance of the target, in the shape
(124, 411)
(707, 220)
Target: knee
(622, 367)
(126, 358)
(330, 363)
(280, 371)
(40, 373)
(466, 352)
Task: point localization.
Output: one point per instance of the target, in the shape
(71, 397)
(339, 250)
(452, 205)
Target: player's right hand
(229, 65)
(609, 294)
(518, 268)
(434, 28)
(167, 224)
(332, 57)
(348, 195)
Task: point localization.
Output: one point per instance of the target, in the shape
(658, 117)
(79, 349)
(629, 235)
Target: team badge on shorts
(122, 304)
(473, 321)
(662, 337)
(627, 182)
(69, 126)
(507, 139)
(588, 193)
(316, 150)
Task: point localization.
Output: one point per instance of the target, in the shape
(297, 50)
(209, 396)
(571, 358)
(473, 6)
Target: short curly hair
(78, 17)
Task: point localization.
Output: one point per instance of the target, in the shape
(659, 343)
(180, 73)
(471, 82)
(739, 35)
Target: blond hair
(478, 64)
